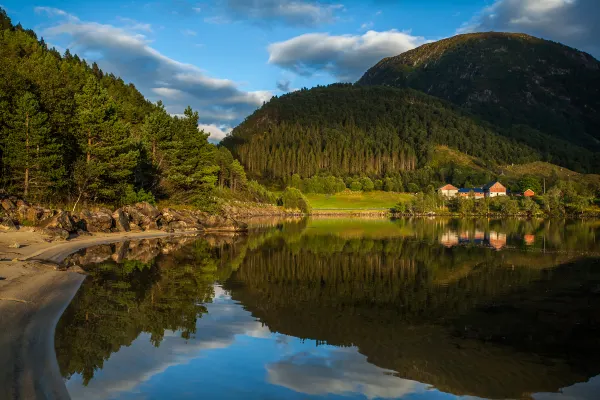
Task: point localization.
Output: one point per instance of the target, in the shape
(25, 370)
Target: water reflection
(350, 308)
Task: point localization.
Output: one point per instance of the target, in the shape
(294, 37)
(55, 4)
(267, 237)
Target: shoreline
(33, 296)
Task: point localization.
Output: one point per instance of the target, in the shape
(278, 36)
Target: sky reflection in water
(340, 309)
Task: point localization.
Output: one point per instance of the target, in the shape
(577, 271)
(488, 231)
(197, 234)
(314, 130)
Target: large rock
(121, 220)
(147, 209)
(62, 220)
(174, 220)
(96, 221)
(212, 222)
(21, 203)
(8, 205)
(56, 233)
(32, 214)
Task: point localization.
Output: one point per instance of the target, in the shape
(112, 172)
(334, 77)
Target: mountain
(348, 130)
(508, 79)
(502, 98)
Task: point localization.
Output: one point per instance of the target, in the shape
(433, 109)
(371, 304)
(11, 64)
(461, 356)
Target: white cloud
(346, 57)
(55, 12)
(137, 363)
(133, 25)
(366, 26)
(573, 22)
(291, 12)
(339, 371)
(168, 92)
(217, 133)
(129, 55)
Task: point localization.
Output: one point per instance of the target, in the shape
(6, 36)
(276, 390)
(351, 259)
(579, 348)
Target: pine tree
(238, 176)
(156, 130)
(109, 153)
(33, 156)
(191, 172)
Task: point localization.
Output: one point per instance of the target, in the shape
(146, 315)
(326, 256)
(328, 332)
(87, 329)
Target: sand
(33, 296)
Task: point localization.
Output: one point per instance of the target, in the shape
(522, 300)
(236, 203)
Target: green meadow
(353, 201)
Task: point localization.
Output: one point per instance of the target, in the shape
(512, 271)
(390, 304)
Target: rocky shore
(17, 214)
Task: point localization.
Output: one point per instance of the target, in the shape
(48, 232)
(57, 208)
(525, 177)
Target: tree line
(72, 134)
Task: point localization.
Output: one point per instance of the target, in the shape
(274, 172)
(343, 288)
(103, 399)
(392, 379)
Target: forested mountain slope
(509, 79)
(70, 133)
(345, 129)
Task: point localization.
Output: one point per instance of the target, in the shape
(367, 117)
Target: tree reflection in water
(496, 309)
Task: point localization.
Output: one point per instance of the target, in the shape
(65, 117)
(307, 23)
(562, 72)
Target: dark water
(419, 309)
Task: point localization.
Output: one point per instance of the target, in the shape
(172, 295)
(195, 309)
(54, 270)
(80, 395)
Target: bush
(259, 193)
(412, 188)
(399, 208)
(132, 197)
(355, 186)
(367, 184)
(293, 199)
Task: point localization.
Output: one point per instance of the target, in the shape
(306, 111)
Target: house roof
(468, 190)
(448, 187)
(490, 184)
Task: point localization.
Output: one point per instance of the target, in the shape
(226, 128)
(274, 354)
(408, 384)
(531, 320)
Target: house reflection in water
(496, 240)
(492, 239)
(529, 239)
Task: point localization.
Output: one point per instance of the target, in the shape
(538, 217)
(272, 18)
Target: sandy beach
(33, 296)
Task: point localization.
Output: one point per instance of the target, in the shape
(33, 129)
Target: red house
(529, 193)
(494, 189)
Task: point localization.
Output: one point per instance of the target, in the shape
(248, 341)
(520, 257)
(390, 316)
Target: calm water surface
(341, 308)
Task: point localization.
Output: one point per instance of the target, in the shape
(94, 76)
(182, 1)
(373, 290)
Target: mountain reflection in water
(426, 308)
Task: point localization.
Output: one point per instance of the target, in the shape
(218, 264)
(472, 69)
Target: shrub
(355, 186)
(259, 193)
(367, 184)
(131, 196)
(412, 188)
(292, 198)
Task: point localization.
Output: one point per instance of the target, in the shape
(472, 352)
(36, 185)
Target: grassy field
(354, 201)
(375, 228)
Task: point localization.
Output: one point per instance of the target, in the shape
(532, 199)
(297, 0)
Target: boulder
(150, 225)
(187, 219)
(134, 228)
(212, 222)
(32, 214)
(8, 205)
(147, 209)
(121, 220)
(96, 221)
(180, 226)
(62, 220)
(135, 216)
(56, 233)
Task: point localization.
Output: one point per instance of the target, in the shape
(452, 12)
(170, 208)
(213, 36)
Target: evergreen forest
(72, 134)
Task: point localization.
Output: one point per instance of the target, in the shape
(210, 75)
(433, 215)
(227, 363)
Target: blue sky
(225, 57)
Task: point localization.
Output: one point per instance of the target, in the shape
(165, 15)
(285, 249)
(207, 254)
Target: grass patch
(349, 228)
(350, 201)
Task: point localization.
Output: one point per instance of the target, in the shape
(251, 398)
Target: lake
(341, 308)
